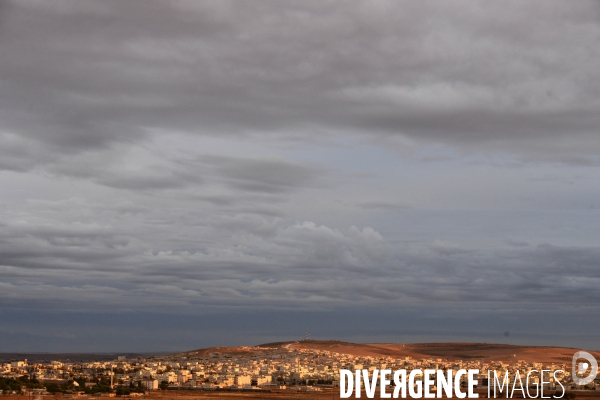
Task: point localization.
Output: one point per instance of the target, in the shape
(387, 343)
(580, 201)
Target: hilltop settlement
(261, 368)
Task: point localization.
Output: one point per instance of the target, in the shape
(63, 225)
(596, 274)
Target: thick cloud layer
(509, 77)
(191, 158)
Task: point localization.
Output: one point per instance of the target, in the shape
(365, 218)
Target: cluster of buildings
(261, 368)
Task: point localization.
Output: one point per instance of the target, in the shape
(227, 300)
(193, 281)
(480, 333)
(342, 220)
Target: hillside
(450, 351)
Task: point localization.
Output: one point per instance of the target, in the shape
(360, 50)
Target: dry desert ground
(283, 395)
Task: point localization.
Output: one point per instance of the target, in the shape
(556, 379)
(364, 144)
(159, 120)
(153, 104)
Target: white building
(263, 380)
(242, 380)
(150, 384)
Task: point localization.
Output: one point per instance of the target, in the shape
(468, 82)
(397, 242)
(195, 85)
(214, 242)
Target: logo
(582, 368)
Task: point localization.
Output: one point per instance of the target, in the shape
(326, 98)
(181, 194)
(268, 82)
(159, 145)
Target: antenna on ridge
(307, 336)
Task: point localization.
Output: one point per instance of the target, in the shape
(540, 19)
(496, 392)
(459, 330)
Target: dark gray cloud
(272, 263)
(189, 159)
(376, 205)
(266, 176)
(514, 78)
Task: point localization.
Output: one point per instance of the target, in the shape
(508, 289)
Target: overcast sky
(180, 174)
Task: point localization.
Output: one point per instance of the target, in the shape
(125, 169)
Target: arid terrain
(325, 395)
(450, 351)
(284, 395)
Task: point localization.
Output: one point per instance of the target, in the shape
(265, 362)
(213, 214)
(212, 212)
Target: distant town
(279, 368)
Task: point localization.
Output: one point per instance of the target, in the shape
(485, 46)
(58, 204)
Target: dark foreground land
(323, 395)
(281, 395)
